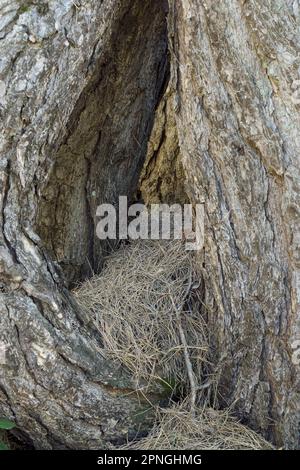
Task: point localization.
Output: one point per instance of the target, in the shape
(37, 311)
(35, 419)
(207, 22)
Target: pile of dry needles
(147, 306)
(178, 429)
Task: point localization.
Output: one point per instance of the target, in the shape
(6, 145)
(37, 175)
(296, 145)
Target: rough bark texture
(162, 179)
(236, 72)
(79, 84)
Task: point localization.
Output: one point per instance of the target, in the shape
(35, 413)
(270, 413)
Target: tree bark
(79, 85)
(235, 68)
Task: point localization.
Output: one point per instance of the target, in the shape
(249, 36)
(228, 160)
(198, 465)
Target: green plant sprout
(5, 425)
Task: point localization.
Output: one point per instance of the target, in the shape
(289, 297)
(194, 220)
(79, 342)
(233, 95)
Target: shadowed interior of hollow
(106, 143)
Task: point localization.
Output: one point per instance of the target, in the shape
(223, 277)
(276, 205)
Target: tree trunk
(79, 85)
(236, 72)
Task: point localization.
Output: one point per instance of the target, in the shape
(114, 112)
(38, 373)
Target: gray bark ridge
(236, 69)
(55, 381)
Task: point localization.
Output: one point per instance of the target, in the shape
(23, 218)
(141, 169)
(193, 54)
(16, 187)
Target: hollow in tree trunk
(79, 86)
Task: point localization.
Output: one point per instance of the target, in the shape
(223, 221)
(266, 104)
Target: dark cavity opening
(104, 150)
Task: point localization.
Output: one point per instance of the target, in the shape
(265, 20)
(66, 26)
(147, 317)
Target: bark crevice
(105, 145)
